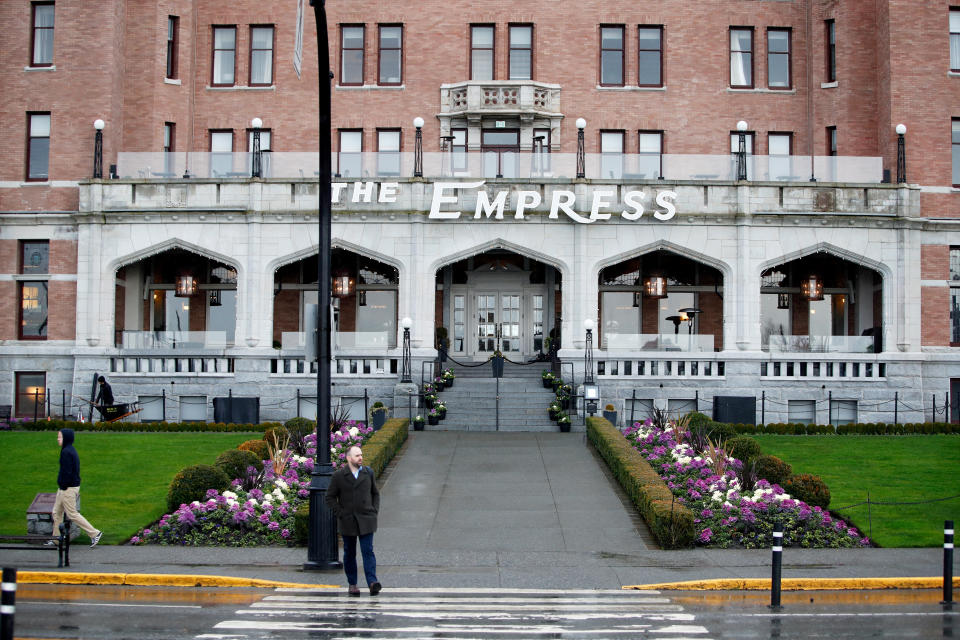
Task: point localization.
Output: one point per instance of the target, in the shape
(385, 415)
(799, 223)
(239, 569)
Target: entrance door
(499, 148)
(498, 323)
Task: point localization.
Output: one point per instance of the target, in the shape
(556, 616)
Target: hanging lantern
(186, 287)
(215, 298)
(342, 283)
(783, 301)
(362, 298)
(655, 286)
(636, 298)
(812, 288)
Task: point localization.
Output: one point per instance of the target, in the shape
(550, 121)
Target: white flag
(298, 40)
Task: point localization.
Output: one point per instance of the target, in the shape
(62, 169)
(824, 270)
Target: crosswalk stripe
(493, 614)
(512, 630)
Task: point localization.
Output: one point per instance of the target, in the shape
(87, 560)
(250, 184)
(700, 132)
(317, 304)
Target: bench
(36, 542)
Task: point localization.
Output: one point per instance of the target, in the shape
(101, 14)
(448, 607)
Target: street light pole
(588, 354)
(742, 150)
(418, 148)
(98, 149)
(322, 531)
(406, 373)
(581, 157)
(256, 169)
(901, 154)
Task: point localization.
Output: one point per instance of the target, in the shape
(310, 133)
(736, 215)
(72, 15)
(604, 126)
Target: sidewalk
(497, 510)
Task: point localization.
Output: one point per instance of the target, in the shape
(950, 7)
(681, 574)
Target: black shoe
(375, 588)
(353, 590)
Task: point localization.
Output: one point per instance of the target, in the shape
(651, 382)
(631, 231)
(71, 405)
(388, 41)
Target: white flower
(229, 495)
(267, 497)
(195, 503)
(353, 431)
(281, 485)
(211, 501)
(231, 502)
(251, 502)
(277, 492)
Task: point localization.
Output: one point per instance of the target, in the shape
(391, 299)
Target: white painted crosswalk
(452, 614)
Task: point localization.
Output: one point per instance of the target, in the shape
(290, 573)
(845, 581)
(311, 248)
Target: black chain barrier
(890, 504)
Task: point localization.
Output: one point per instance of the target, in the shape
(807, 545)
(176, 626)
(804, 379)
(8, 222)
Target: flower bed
(725, 514)
(261, 514)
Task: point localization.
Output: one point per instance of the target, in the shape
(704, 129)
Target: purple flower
(135, 540)
(264, 518)
(273, 526)
(285, 533)
(706, 535)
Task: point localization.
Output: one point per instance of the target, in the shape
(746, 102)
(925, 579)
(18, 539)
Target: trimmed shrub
(234, 462)
(697, 419)
(772, 469)
(809, 488)
(743, 449)
(301, 525)
(279, 430)
(258, 447)
(299, 427)
(191, 483)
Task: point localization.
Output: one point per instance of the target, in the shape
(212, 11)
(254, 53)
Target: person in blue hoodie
(68, 487)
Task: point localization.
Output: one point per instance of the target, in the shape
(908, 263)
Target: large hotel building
(740, 198)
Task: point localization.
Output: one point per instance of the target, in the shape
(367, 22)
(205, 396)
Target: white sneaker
(96, 539)
(50, 543)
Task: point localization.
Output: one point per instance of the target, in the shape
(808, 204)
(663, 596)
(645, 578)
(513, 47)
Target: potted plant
(448, 377)
(438, 383)
(428, 388)
(557, 382)
(610, 414)
(441, 410)
(378, 415)
(563, 420)
(429, 400)
(418, 423)
(547, 379)
(497, 361)
(433, 418)
(553, 410)
(563, 396)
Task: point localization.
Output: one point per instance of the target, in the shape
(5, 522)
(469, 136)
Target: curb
(157, 580)
(798, 584)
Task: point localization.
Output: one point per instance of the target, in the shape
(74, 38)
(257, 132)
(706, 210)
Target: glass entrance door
(499, 323)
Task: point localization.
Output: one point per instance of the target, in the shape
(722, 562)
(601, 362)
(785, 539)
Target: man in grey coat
(354, 498)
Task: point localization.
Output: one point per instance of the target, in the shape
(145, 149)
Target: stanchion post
(8, 603)
(775, 576)
(947, 562)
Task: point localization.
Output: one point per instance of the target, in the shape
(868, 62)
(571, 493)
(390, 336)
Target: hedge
(857, 429)
(670, 521)
(140, 427)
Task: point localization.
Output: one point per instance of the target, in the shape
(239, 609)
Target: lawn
(891, 469)
(125, 475)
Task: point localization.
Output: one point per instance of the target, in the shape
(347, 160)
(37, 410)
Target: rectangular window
(391, 55)
(35, 256)
(778, 59)
(458, 147)
(388, 152)
(741, 58)
(954, 39)
(151, 408)
(611, 154)
(481, 52)
(261, 56)
(802, 411)
(34, 259)
(31, 394)
(843, 412)
(193, 408)
(173, 32)
(351, 54)
(679, 407)
(169, 140)
(521, 52)
(955, 295)
(541, 148)
(38, 146)
(221, 153)
(224, 56)
(831, 141)
(650, 149)
(650, 56)
(638, 409)
(611, 56)
(42, 34)
(830, 55)
(955, 149)
(779, 149)
(350, 164)
(459, 323)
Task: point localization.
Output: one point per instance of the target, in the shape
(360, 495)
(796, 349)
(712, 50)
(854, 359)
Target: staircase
(472, 401)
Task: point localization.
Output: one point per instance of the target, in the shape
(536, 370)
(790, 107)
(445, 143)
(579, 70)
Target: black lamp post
(901, 154)
(98, 149)
(418, 148)
(322, 533)
(406, 375)
(256, 170)
(742, 150)
(588, 353)
(581, 158)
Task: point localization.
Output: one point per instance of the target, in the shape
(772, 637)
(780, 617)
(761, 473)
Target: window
(778, 59)
(955, 296)
(169, 141)
(31, 394)
(42, 48)
(843, 412)
(351, 55)
(458, 148)
(388, 148)
(650, 56)
(831, 141)
(779, 148)
(481, 52)
(611, 154)
(350, 163)
(611, 56)
(802, 411)
(679, 407)
(173, 29)
(38, 146)
(650, 148)
(151, 408)
(521, 52)
(34, 259)
(193, 408)
(221, 153)
(541, 148)
(391, 55)
(831, 50)
(955, 40)
(741, 58)
(224, 56)
(261, 56)
(638, 409)
(500, 148)
(955, 148)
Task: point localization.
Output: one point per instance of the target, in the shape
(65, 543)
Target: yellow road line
(156, 579)
(798, 584)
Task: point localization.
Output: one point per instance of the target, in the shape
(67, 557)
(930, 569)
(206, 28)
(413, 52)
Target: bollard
(947, 562)
(7, 599)
(775, 577)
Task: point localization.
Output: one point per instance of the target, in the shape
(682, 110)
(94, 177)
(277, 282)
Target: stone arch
(167, 245)
(831, 249)
(500, 243)
(723, 267)
(290, 258)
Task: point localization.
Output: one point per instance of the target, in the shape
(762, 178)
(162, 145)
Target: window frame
(750, 52)
(39, 402)
(955, 150)
(623, 55)
(661, 134)
(492, 49)
(213, 57)
(953, 286)
(461, 149)
(830, 49)
(33, 32)
(616, 156)
(273, 56)
(213, 154)
(954, 37)
(398, 151)
(658, 27)
(41, 280)
(29, 151)
(381, 49)
(340, 150)
(169, 136)
(363, 54)
(511, 49)
(832, 141)
(173, 46)
(788, 53)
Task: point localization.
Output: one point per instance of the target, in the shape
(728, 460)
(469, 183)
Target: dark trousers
(350, 558)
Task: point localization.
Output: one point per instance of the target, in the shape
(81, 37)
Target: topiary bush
(809, 488)
(234, 462)
(258, 447)
(191, 483)
(743, 449)
(301, 525)
(772, 469)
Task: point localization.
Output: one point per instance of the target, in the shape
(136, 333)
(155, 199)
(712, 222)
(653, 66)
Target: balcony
(476, 99)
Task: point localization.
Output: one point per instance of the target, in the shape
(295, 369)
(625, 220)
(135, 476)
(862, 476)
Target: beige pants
(67, 501)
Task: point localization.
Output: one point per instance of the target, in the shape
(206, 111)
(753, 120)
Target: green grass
(891, 469)
(125, 475)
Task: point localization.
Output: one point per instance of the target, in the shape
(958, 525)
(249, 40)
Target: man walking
(68, 487)
(354, 498)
